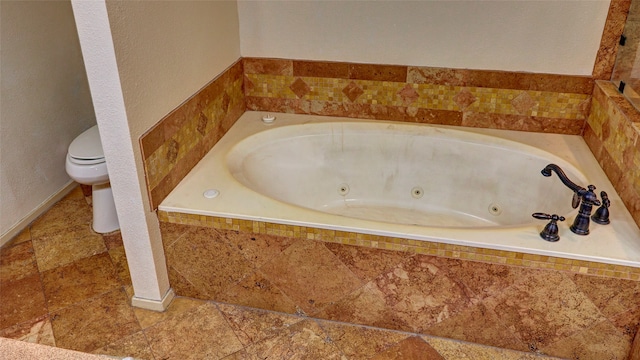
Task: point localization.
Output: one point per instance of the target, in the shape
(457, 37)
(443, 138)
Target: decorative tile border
(177, 142)
(494, 99)
(613, 135)
(400, 244)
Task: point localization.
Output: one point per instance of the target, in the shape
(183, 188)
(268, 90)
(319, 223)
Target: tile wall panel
(177, 142)
(613, 135)
(493, 99)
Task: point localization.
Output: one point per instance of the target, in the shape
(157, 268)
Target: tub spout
(586, 198)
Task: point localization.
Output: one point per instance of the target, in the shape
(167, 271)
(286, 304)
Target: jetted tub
(465, 186)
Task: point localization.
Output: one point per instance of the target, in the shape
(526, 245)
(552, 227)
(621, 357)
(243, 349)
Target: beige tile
(611, 296)
(81, 280)
(544, 307)
(70, 211)
(204, 259)
(135, 346)
(366, 263)
(21, 300)
(481, 279)
(478, 324)
(365, 306)
(251, 325)
(302, 340)
(24, 235)
(200, 333)
(179, 305)
(309, 274)
(66, 246)
(257, 248)
(119, 260)
(258, 292)
(359, 342)
(420, 293)
(602, 341)
(37, 331)
(412, 348)
(457, 350)
(17, 261)
(94, 323)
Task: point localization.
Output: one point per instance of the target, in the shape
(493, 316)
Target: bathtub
(463, 186)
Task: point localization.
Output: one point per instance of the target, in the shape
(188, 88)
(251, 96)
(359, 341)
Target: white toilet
(86, 165)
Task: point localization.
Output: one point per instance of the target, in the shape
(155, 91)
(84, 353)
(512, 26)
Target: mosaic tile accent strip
(381, 92)
(613, 135)
(177, 142)
(400, 244)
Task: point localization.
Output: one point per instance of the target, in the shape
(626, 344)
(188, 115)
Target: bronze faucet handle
(550, 231)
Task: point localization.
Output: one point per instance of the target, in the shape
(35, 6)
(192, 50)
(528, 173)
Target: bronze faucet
(586, 198)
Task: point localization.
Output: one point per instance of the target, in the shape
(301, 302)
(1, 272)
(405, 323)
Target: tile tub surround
(613, 135)
(178, 141)
(546, 311)
(476, 98)
(81, 302)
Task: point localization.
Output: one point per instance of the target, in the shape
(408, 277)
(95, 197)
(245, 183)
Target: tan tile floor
(65, 286)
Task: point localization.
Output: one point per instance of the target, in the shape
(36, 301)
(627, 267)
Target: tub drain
(343, 189)
(417, 192)
(495, 209)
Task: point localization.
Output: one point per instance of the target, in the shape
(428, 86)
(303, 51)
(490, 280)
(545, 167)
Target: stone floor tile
(302, 340)
(412, 348)
(311, 275)
(252, 325)
(24, 235)
(113, 240)
(70, 211)
(135, 346)
(367, 263)
(37, 331)
(457, 350)
(208, 262)
(179, 305)
(78, 281)
(94, 323)
(21, 300)
(66, 246)
(359, 342)
(200, 333)
(183, 287)
(258, 292)
(17, 261)
(119, 259)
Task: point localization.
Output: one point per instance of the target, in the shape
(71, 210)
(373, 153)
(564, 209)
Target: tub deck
(617, 243)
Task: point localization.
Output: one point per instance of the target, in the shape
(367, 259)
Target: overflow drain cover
(211, 193)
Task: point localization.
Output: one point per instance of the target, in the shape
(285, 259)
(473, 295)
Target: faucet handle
(550, 231)
(601, 216)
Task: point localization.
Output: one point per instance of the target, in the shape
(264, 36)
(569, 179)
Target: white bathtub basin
(472, 187)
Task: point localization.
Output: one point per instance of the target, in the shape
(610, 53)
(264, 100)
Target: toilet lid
(87, 146)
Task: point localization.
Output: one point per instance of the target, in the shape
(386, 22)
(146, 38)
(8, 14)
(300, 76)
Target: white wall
(168, 50)
(547, 36)
(143, 60)
(44, 104)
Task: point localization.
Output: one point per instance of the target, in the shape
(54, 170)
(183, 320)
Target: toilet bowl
(86, 165)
